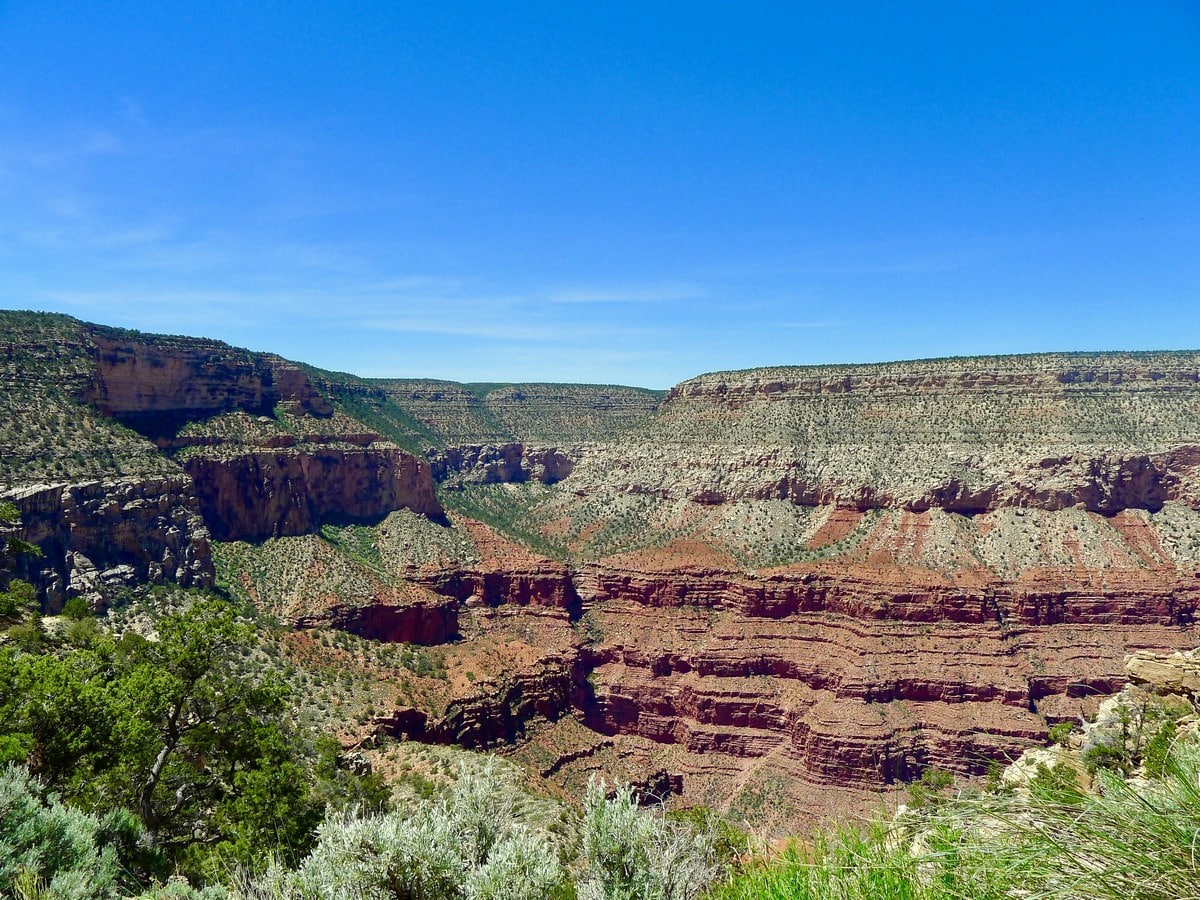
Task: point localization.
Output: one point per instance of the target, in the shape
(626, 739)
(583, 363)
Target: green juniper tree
(169, 729)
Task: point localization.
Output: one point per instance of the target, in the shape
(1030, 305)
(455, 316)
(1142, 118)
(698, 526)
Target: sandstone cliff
(262, 451)
(260, 494)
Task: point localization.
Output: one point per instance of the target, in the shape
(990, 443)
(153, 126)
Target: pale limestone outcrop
(1176, 673)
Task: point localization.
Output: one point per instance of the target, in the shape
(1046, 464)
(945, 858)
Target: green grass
(510, 509)
(847, 863)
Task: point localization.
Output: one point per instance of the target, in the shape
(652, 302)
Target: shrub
(1060, 733)
(52, 850)
(466, 846)
(77, 609)
(1131, 839)
(928, 790)
(633, 854)
(19, 600)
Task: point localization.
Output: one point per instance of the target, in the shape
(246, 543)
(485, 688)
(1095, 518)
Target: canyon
(784, 592)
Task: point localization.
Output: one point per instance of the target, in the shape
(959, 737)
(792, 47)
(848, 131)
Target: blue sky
(630, 193)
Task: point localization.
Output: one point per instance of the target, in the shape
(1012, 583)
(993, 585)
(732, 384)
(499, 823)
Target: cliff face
(500, 464)
(263, 453)
(1112, 431)
(802, 584)
(912, 477)
(144, 382)
(99, 537)
(858, 678)
(261, 494)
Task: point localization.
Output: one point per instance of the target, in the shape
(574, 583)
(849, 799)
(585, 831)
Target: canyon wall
(217, 441)
(803, 584)
(143, 381)
(500, 464)
(100, 537)
(259, 494)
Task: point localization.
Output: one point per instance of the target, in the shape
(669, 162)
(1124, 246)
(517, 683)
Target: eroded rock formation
(145, 380)
(802, 584)
(504, 463)
(100, 537)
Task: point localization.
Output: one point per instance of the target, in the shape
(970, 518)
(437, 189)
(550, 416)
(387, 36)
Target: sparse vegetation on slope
(47, 431)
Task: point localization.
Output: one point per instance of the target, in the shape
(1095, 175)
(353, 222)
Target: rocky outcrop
(425, 623)
(855, 679)
(265, 493)
(494, 716)
(504, 463)
(911, 476)
(1051, 373)
(549, 588)
(99, 537)
(1175, 673)
(504, 574)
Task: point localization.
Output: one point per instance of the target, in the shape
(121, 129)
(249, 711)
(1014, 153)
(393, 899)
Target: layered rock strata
(859, 683)
(495, 718)
(500, 464)
(263, 454)
(809, 583)
(145, 381)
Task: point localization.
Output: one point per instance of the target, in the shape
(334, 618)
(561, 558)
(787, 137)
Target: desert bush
(467, 845)
(635, 854)
(48, 849)
(1129, 838)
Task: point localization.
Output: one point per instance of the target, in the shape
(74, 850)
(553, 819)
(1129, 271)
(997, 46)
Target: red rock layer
(496, 716)
(849, 677)
(505, 574)
(1039, 598)
(270, 494)
(427, 622)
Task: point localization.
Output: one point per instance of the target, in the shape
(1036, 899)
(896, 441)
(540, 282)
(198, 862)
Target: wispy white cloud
(610, 293)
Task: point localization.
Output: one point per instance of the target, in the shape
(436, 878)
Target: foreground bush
(631, 854)
(1131, 839)
(471, 845)
(467, 846)
(876, 862)
(53, 850)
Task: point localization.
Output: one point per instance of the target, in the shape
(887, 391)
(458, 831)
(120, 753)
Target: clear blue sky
(607, 192)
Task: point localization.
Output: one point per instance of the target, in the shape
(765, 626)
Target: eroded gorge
(801, 585)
